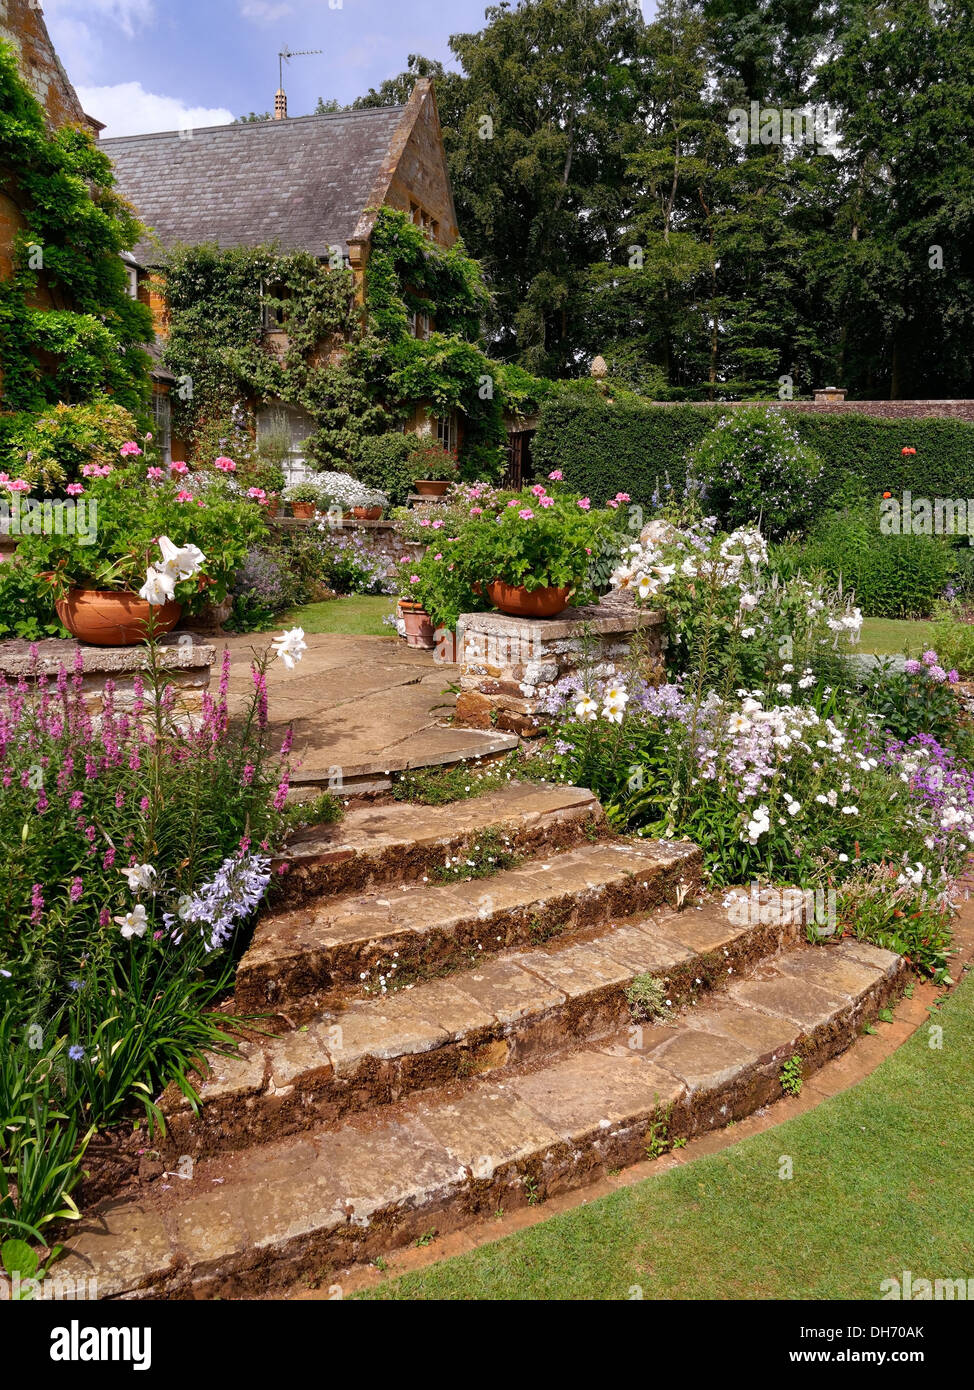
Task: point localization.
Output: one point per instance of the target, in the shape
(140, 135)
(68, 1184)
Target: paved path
(367, 705)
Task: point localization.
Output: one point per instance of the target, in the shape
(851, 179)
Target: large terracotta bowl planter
(431, 487)
(304, 511)
(367, 513)
(419, 625)
(518, 602)
(108, 619)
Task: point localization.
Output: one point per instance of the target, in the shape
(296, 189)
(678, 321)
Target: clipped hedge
(603, 447)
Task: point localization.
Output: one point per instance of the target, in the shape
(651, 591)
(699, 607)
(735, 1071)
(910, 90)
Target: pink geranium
(177, 466)
(546, 501)
(18, 485)
(526, 514)
(130, 450)
(585, 503)
(74, 489)
(183, 496)
(225, 465)
(556, 476)
(154, 474)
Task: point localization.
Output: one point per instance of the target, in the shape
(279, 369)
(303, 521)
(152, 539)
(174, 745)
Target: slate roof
(302, 183)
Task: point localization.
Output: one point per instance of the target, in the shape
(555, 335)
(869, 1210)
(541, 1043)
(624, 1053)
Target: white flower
(586, 710)
(783, 688)
(158, 588)
(139, 876)
(615, 698)
(179, 561)
(738, 724)
(850, 810)
(645, 586)
(133, 923)
(290, 646)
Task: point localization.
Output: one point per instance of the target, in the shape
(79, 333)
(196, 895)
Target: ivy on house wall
(89, 341)
(354, 374)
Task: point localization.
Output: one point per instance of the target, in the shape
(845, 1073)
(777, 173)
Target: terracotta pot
(519, 603)
(108, 619)
(367, 513)
(273, 507)
(304, 511)
(431, 487)
(419, 625)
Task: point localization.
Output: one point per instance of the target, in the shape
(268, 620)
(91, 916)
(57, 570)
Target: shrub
(752, 466)
(382, 463)
(639, 446)
(952, 638)
(428, 459)
(893, 576)
(51, 449)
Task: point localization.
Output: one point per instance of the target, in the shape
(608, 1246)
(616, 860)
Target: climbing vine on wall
(253, 324)
(68, 329)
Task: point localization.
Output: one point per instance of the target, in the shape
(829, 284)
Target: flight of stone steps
(432, 1052)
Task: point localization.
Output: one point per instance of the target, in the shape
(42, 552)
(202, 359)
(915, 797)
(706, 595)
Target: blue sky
(142, 65)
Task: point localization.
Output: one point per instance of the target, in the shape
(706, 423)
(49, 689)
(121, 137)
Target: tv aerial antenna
(285, 56)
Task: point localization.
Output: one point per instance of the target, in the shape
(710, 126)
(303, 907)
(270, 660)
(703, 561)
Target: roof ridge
(256, 125)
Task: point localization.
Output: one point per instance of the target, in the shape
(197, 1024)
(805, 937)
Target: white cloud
(128, 109)
(80, 29)
(263, 11)
(128, 15)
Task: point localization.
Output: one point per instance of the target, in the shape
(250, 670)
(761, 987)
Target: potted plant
(118, 566)
(416, 620)
(304, 498)
(371, 506)
(432, 468)
(532, 552)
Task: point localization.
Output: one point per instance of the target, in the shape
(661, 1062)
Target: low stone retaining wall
(509, 667)
(382, 539)
(187, 662)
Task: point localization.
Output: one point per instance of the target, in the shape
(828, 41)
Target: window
(283, 430)
(423, 326)
(162, 422)
(132, 274)
(271, 315)
(446, 430)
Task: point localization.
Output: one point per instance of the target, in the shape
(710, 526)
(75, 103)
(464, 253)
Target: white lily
(139, 876)
(179, 561)
(586, 710)
(133, 923)
(290, 646)
(158, 588)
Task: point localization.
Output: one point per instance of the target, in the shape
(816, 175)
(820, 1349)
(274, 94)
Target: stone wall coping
(572, 622)
(16, 657)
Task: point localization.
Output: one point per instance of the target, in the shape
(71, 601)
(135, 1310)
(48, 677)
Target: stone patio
(367, 706)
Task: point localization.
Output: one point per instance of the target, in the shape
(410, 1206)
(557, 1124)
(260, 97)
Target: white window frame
(132, 275)
(447, 430)
(162, 425)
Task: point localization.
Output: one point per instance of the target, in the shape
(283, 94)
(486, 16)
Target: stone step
(306, 1206)
(502, 1014)
(405, 842)
(306, 959)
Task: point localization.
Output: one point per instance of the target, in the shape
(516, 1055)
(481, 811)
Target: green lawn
(357, 616)
(888, 636)
(883, 1176)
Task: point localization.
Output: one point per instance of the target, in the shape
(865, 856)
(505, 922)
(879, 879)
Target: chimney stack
(280, 105)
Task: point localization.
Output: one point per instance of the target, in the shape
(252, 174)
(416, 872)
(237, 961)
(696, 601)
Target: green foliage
(382, 463)
(132, 513)
(490, 853)
(905, 703)
(53, 447)
(25, 605)
(892, 576)
(952, 637)
(791, 1077)
(646, 997)
(753, 465)
(63, 185)
(634, 444)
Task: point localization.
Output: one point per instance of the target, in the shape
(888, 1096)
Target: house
(311, 184)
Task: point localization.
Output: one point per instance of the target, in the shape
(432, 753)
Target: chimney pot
(826, 394)
(280, 105)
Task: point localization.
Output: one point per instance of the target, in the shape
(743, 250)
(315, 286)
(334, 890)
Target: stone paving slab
(368, 705)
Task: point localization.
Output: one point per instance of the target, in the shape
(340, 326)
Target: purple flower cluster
(929, 665)
(218, 906)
